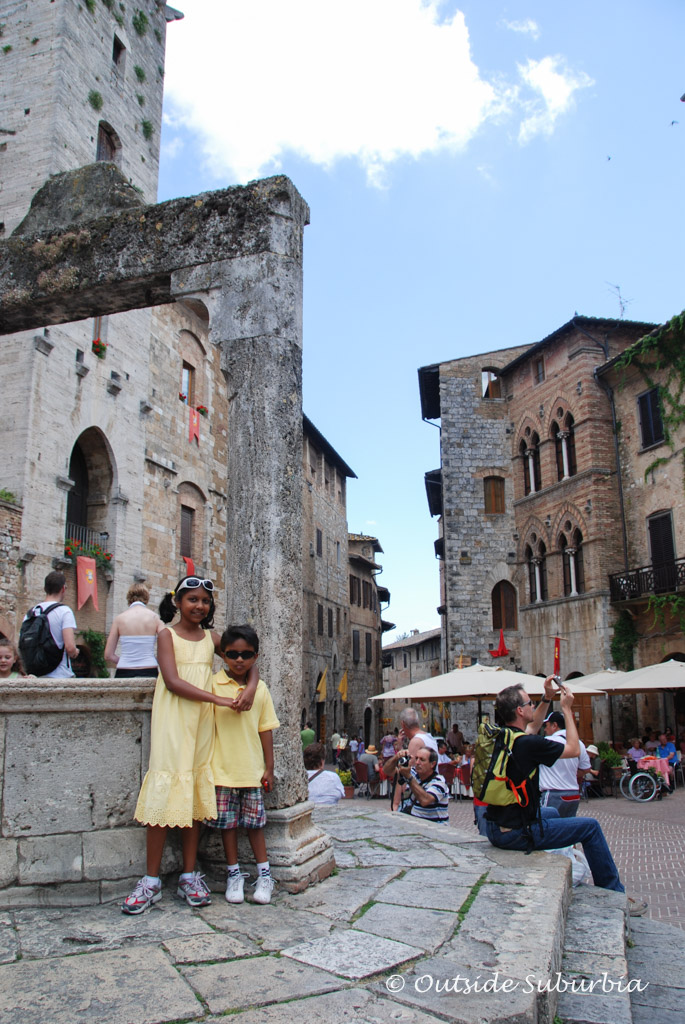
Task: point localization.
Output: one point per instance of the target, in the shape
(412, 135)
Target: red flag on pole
(502, 649)
(86, 581)
(557, 656)
(194, 430)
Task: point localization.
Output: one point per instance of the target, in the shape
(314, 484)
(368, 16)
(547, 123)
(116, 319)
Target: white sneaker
(263, 888)
(235, 885)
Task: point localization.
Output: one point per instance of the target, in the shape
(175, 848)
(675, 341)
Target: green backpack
(489, 777)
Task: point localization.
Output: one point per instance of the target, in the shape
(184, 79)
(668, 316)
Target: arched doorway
(91, 467)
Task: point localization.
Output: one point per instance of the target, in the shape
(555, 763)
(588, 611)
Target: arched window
(493, 487)
(192, 382)
(491, 384)
(542, 559)
(504, 606)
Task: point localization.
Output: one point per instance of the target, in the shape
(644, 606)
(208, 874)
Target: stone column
(538, 579)
(563, 437)
(255, 315)
(531, 469)
(571, 553)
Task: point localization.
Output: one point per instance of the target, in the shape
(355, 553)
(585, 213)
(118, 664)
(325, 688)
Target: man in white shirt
(62, 624)
(559, 784)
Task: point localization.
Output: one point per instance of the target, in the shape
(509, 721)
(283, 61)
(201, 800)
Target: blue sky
(477, 172)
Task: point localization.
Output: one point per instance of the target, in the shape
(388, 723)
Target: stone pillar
(563, 437)
(531, 469)
(538, 579)
(571, 553)
(255, 314)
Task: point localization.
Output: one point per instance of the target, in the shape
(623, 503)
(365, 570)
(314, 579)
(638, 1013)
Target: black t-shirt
(530, 751)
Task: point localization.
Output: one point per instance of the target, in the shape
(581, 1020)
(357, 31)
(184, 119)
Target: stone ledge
(67, 695)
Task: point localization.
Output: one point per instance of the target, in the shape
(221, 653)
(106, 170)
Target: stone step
(595, 983)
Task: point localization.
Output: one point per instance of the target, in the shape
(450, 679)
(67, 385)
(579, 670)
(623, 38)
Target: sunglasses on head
(242, 655)
(193, 582)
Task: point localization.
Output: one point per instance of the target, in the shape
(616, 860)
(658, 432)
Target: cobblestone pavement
(648, 844)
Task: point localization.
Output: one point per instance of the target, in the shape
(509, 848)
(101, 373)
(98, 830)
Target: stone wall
(11, 576)
(73, 757)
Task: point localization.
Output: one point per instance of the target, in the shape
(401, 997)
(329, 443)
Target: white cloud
(555, 85)
(370, 80)
(527, 27)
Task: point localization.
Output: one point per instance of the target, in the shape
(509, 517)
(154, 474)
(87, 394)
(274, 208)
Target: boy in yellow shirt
(243, 762)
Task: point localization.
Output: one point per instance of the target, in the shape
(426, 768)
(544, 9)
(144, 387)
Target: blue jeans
(557, 832)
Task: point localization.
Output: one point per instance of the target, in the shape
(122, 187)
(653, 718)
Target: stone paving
(415, 915)
(648, 844)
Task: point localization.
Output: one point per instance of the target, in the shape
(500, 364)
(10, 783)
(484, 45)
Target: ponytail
(167, 608)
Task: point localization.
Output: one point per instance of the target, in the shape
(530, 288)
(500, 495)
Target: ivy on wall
(624, 641)
(667, 604)
(662, 353)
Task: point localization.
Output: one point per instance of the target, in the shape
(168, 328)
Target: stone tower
(96, 443)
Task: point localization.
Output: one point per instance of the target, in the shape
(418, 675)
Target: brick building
(116, 428)
(531, 522)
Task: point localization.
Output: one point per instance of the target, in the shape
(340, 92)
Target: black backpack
(37, 646)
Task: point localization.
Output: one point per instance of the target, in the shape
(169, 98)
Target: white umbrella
(477, 682)
(669, 675)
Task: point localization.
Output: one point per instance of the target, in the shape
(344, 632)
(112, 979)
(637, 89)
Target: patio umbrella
(669, 675)
(477, 682)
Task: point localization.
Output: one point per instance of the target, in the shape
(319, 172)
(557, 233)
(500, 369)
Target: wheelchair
(638, 784)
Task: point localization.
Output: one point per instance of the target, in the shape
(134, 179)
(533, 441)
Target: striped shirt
(437, 811)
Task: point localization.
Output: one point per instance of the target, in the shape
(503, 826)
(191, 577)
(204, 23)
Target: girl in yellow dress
(178, 789)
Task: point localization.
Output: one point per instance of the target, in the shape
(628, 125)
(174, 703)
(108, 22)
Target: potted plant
(346, 779)
(202, 409)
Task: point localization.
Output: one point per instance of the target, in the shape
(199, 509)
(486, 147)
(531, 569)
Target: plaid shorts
(239, 808)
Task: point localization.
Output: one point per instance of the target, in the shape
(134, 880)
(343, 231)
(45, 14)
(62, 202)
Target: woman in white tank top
(135, 630)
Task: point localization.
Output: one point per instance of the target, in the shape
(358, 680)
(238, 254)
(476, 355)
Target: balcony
(86, 537)
(648, 580)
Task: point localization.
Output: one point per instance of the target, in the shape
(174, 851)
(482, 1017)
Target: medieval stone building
(116, 427)
(542, 500)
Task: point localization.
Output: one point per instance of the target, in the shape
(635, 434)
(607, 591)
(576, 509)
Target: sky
(477, 173)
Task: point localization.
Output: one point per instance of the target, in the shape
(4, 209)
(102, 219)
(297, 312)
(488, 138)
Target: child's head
(189, 585)
(239, 649)
(9, 658)
(137, 592)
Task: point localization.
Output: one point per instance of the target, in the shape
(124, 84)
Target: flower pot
(349, 792)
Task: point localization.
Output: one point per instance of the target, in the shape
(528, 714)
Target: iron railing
(86, 537)
(647, 580)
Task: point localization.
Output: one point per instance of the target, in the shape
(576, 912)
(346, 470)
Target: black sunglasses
(193, 582)
(242, 655)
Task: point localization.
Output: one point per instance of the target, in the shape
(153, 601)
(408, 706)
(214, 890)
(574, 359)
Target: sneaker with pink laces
(142, 897)
(193, 890)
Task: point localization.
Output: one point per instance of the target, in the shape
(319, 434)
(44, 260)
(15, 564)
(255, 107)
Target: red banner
(86, 581)
(557, 656)
(190, 565)
(194, 430)
(502, 649)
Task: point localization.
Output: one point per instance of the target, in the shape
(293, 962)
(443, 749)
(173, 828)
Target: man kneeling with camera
(426, 795)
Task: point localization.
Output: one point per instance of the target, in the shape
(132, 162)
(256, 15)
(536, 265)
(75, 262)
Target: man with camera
(427, 794)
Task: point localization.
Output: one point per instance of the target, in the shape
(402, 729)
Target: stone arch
(533, 525)
(569, 513)
(561, 401)
(89, 516)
